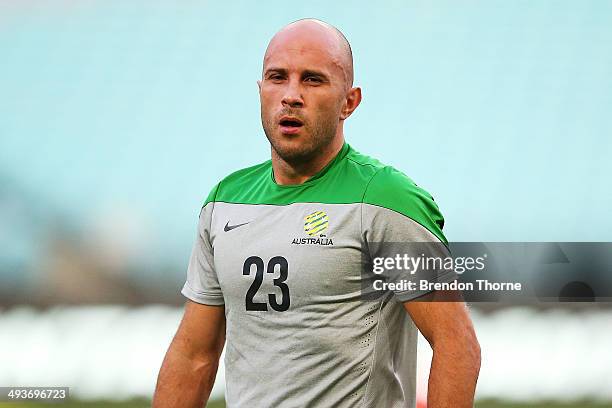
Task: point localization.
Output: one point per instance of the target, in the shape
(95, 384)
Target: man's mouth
(290, 125)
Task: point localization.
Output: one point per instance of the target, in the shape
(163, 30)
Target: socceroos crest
(315, 224)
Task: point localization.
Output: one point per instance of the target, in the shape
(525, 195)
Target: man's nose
(293, 96)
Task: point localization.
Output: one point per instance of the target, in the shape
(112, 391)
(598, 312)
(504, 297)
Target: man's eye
(275, 77)
(313, 79)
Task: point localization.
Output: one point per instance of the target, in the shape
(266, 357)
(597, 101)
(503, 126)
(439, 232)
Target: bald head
(319, 34)
(306, 93)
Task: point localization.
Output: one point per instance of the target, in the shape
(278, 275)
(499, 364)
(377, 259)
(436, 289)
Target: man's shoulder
(390, 189)
(381, 179)
(362, 160)
(238, 181)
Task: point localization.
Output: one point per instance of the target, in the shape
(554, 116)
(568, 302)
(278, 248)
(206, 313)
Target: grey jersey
(286, 262)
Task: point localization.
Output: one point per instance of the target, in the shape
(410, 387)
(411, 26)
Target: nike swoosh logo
(231, 227)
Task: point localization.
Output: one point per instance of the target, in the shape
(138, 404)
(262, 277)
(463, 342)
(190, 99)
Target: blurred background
(117, 118)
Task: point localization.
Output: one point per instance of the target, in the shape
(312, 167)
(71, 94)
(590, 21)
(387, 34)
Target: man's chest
(278, 257)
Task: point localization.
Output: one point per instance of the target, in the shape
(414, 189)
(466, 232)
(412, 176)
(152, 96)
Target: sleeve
(202, 285)
(402, 225)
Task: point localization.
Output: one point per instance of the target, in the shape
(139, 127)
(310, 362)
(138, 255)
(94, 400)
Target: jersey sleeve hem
(203, 298)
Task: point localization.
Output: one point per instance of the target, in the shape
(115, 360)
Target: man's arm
(456, 353)
(188, 371)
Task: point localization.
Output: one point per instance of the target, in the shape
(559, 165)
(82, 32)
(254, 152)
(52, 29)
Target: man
(276, 269)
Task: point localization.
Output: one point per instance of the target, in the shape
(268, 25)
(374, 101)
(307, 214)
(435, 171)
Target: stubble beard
(316, 139)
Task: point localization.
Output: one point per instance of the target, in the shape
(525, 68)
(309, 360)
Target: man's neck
(286, 173)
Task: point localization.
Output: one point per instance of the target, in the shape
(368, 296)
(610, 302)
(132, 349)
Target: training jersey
(286, 262)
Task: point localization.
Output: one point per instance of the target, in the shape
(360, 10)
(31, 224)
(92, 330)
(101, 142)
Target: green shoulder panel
(212, 196)
(246, 185)
(237, 184)
(351, 178)
(393, 190)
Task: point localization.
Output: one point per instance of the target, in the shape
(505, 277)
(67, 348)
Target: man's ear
(353, 99)
(259, 85)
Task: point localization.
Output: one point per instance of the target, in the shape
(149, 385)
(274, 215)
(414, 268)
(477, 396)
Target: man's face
(302, 94)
